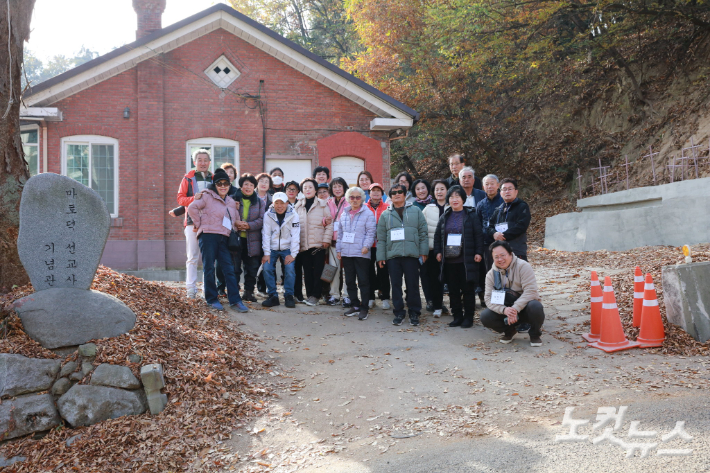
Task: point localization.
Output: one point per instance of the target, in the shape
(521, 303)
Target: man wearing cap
(280, 239)
(194, 182)
(277, 178)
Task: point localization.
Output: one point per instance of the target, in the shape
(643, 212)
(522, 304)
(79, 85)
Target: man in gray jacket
(403, 244)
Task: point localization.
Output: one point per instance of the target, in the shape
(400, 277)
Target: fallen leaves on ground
(651, 259)
(206, 360)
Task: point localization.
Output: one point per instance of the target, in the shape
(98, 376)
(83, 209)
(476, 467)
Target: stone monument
(687, 298)
(64, 226)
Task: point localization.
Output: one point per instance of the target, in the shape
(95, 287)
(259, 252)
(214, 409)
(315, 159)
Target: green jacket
(416, 239)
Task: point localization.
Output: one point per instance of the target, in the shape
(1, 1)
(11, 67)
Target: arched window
(93, 161)
(223, 151)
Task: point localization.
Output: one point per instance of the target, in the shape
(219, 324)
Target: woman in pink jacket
(336, 204)
(214, 214)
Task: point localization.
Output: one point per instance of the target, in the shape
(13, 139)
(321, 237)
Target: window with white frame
(222, 151)
(30, 145)
(93, 161)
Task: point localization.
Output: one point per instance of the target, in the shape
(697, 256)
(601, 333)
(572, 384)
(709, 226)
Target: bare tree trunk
(13, 169)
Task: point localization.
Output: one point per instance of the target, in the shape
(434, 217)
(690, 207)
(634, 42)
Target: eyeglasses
(398, 192)
(507, 189)
(355, 197)
(222, 184)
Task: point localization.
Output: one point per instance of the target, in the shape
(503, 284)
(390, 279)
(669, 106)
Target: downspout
(263, 129)
(44, 146)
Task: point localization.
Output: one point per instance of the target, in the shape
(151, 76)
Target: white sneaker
(371, 304)
(437, 313)
(192, 293)
(386, 304)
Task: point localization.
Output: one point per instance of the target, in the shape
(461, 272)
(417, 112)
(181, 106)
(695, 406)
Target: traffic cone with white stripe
(596, 310)
(652, 333)
(638, 296)
(612, 337)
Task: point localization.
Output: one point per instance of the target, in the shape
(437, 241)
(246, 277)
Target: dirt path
(369, 396)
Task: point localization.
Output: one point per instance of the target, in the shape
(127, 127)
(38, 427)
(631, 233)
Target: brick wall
(172, 101)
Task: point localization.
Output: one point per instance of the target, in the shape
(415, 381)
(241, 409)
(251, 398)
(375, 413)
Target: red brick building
(125, 123)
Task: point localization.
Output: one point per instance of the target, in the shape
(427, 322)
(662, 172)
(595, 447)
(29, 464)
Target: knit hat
(220, 175)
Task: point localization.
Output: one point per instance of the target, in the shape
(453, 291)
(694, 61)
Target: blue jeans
(214, 247)
(269, 272)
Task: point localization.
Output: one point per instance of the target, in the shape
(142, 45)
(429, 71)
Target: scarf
(425, 201)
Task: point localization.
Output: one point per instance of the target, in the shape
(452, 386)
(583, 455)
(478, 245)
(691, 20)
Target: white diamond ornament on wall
(222, 72)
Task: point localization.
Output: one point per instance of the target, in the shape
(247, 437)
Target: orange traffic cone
(638, 296)
(596, 309)
(612, 336)
(652, 333)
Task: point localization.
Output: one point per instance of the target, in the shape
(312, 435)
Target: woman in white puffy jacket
(433, 212)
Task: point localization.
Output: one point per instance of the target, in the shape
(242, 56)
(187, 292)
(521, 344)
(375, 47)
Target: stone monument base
(686, 295)
(64, 317)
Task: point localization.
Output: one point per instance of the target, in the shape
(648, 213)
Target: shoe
(261, 294)
(523, 328)
(413, 320)
(217, 305)
(535, 342)
(299, 299)
(429, 306)
(370, 305)
(272, 301)
(446, 288)
(437, 313)
(351, 311)
(248, 297)
(508, 337)
(221, 293)
(482, 300)
(363, 314)
(333, 301)
(445, 310)
(467, 322)
(311, 301)
(346, 302)
(289, 302)
(386, 304)
(456, 322)
(192, 293)
(397, 321)
(240, 307)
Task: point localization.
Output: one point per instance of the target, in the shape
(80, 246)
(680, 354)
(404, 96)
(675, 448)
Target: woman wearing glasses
(355, 238)
(215, 214)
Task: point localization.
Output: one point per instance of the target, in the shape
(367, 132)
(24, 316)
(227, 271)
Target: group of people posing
(460, 234)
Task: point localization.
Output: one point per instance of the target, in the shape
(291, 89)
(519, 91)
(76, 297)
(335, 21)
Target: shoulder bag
(234, 243)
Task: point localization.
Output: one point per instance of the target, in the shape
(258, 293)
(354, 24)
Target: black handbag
(234, 243)
(510, 295)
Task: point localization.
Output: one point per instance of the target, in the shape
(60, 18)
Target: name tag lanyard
(352, 223)
(404, 213)
(463, 227)
(506, 215)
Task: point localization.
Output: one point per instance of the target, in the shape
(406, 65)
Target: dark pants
(298, 284)
(214, 247)
(409, 268)
(379, 278)
(248, 264)
(312, 262)
(360, 267)
(436, 287)
(522, 257)
(532, 314)
(460, 289)
(221, 283)
(488, 259)
(424, 278)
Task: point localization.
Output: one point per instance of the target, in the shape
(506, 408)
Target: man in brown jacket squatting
(512, 296)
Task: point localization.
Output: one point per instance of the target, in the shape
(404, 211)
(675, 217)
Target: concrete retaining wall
(686, 295)
(670, 214)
